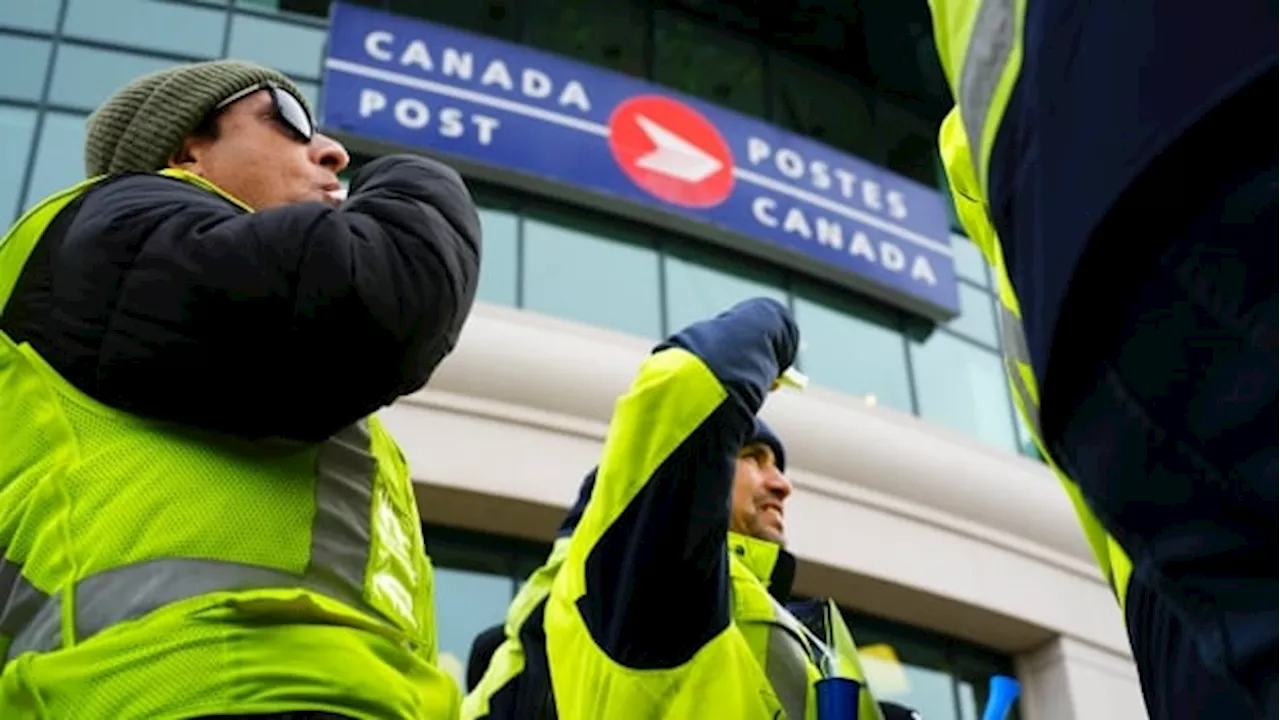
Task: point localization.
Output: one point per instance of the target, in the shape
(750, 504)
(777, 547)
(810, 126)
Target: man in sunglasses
(199, 515)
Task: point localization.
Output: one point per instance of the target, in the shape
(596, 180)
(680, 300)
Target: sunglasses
(286, 108)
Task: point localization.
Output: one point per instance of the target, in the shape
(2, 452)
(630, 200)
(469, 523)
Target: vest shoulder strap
(18, 243)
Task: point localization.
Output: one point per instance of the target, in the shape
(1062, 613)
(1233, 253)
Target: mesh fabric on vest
(29, 458)
(190, 495)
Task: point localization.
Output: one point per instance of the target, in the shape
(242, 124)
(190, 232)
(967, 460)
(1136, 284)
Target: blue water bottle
(1004, 691)
(837, 698)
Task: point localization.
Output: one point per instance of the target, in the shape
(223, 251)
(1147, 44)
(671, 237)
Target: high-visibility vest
(151, 570)
(794, 656)
(980, 45)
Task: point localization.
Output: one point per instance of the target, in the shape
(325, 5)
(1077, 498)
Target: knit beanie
(140, 127)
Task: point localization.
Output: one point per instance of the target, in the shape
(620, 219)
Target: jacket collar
(772, 565)
(200, 182)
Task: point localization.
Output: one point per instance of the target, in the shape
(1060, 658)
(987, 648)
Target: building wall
(919, 502)
(893, 516)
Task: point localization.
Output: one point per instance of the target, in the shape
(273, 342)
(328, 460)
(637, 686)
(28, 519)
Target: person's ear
(191, 153)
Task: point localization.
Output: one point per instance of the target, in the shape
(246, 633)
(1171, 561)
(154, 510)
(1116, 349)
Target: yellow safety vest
(793, 657)
(155, 571)
(980, 45)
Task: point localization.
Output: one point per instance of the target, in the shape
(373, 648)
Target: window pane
(970, 264)
(977, 318)
(287, 47)
(60, 157)
(168, 26)
(900, 53)
(963, 387)
(700, 286)
(823, 106)
(709, 63)
(586, 277)
(83, 77)
(472, 591)
(315, 8)
(973, 677)
(910, 142)
(496, 18)
(33, 57)
(852, 348)
(16, 126)
(829, 36)
(498, 266)
(526, 564)
(973, 701)
(906, 671)
(40, 15)
(606, 34)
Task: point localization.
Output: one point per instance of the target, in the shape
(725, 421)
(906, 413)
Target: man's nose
(329, 153)
(779, 484)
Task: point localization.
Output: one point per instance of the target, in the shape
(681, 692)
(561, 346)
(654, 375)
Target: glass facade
(626, 277)
(553, 259)
(789, 66)
(478, 575)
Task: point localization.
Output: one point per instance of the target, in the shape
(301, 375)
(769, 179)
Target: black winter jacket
(157, 297)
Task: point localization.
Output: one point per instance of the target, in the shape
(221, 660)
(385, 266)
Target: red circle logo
(671, 151)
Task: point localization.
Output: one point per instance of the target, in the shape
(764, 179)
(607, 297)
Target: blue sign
(420, 85)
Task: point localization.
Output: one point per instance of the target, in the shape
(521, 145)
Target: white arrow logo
(674, 156)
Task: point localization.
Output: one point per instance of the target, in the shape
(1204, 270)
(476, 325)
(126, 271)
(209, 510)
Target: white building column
(1067, 679)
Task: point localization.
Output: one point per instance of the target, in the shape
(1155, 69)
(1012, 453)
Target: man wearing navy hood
(690, 495)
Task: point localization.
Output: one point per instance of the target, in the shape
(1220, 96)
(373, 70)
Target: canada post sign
(505, 106)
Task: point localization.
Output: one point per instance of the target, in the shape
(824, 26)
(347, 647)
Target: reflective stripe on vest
(340, 551)
(1017, 365)
(987, 56)
(1112, 559)
(796, 658)
(787, 663)
(991, 60)
(361, 554)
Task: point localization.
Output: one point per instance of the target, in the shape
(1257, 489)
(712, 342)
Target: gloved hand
(747, 347)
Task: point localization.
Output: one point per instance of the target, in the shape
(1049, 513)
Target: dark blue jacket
(1104, 89)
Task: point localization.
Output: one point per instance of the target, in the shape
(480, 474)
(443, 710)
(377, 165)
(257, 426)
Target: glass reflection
(963, 386)
(700, 285)
(590, 278)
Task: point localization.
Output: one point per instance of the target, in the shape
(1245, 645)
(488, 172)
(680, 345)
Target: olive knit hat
(139, 127)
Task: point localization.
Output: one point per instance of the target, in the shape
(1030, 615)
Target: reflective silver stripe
(986, 57)
(129, 592)
(786, 666)
(792, 651)
(990, 45)
(20, 601)
(340, 550)
(1016, 354)
(340, 532)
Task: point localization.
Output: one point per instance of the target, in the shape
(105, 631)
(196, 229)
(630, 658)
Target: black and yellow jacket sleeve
(644, 590)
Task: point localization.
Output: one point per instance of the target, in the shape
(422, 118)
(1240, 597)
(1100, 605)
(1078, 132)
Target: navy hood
(765, 434)
(575, 513)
